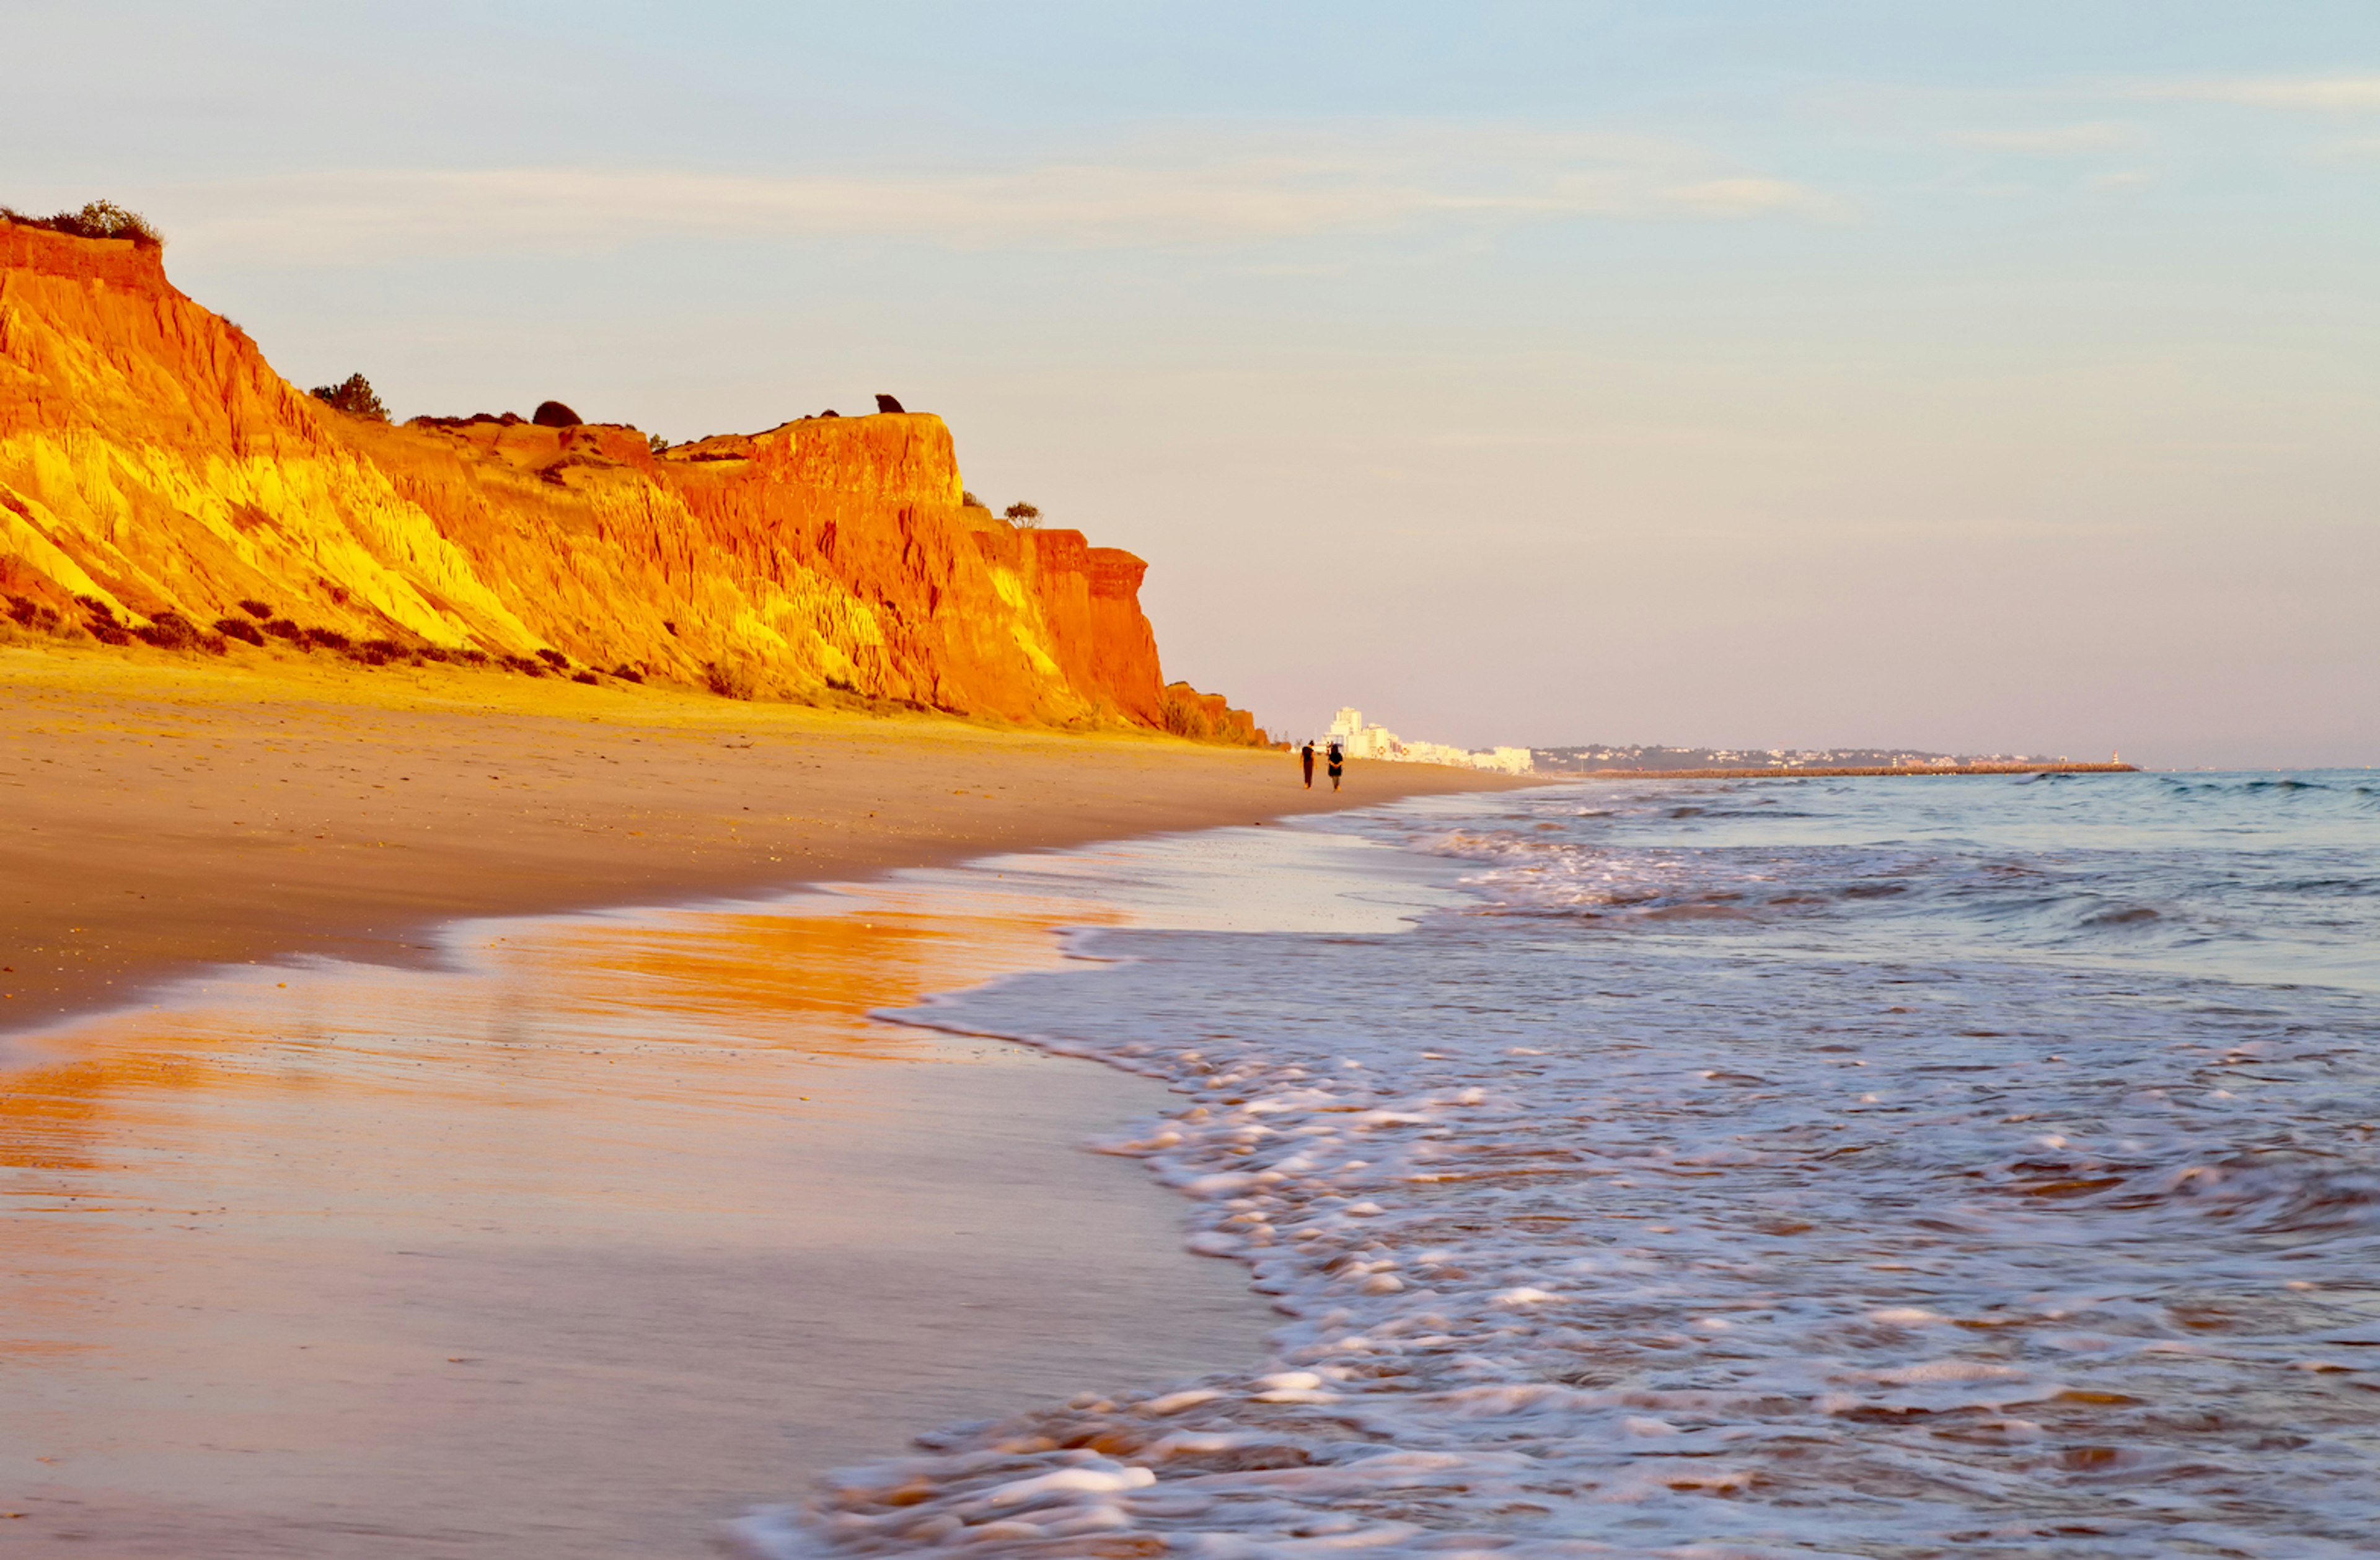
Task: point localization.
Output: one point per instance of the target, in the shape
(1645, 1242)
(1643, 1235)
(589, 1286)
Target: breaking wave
(1885, 1204)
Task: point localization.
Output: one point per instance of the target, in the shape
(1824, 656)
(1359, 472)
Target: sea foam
(1827, 1227)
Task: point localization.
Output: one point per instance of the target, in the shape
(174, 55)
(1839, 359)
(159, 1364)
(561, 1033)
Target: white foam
(1600, 1249)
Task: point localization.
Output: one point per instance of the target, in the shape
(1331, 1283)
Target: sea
(1895, 1167)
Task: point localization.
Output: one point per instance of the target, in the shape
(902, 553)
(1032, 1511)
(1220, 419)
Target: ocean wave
(1674, 1245)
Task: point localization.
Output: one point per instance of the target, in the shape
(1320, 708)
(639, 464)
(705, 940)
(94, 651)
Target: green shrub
(98, 219)
(171, 630)
(729, 679)
(240, 628)
(39, 616)
(554, 658)
(583, 677)
(326, 639)
(626, 673)
(100, 621)
(1025, 516)
(255, 608)
(354, 395)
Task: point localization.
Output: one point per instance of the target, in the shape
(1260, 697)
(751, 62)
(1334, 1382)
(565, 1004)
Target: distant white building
(1380, 744)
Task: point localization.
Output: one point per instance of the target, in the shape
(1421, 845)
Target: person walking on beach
(1306, 757)
(1337, 762)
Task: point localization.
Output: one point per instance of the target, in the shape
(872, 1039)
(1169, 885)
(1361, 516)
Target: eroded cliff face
(151, 460)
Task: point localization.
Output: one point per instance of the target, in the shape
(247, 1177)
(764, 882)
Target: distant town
(1378, 742)
(1381, 745)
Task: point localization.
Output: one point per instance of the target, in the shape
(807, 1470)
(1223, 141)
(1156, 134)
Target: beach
(378, 1187)
(164, 813)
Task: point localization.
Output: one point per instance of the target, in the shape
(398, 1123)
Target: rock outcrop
(154, 467)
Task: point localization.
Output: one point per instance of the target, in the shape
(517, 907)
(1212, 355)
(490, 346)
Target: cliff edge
(156, 474)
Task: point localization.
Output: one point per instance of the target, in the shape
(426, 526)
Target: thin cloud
(1162, 197)
(2052, 141)
(1750, 197)
(2322, 94)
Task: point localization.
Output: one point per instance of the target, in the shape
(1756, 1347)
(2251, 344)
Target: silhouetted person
(886, 403)
(1306, 757)
(1338, 762)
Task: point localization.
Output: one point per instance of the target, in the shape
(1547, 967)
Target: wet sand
(621, 1225)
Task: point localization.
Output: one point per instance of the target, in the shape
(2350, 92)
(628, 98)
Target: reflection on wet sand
(612, 1227)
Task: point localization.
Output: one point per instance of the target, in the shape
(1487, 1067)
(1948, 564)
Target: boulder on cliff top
(554, 414)
(887, 402)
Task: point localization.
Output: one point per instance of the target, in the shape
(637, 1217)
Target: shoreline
(164, 815)
(608, 1230)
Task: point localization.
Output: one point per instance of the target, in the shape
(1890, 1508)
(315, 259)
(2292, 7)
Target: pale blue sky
(1970, 376)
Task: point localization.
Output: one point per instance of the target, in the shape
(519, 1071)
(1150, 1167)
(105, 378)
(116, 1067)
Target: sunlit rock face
(152, 461)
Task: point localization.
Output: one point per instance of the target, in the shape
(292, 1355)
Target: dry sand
(158, 813)
(572, 1235)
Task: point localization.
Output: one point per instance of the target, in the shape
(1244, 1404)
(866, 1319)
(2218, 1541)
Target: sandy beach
(547, 1232)
(164, 813)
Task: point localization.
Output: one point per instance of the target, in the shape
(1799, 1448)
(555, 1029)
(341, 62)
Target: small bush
(354, 395)
(1023, 514)
(39, 617)
(729, 679)
(98, 219)
(470, 657)
(255, 608)
(102, 621)
(587, 677)
(969, 501)
(240, 628)
(171, 630)
(626, 673)
(527, 665)
(656, 444)
(327, 639)
(282, 628)
(554, 658)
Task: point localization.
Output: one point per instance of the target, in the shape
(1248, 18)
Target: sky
(1970, 377)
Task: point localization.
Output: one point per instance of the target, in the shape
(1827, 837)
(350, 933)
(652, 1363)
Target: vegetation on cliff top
(98, 219)
(353, 395)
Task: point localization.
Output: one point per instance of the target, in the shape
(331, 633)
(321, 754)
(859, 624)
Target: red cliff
(152, 462)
